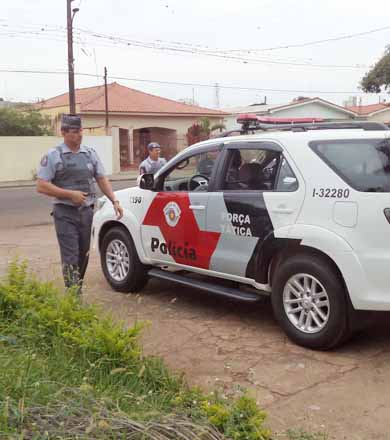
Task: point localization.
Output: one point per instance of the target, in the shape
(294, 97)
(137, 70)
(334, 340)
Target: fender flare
(339, 251)
(314, 237)
(132, 226)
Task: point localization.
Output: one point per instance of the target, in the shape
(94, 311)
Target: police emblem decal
(172, 213)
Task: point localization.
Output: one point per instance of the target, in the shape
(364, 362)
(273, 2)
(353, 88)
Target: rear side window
(362, 163)
(251, 169)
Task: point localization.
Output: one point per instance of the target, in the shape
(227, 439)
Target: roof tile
(123, 99)
(367, 109)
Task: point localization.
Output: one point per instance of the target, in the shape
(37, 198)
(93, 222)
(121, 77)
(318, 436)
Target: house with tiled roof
(316, 108)
(379, 112)
(140, 117)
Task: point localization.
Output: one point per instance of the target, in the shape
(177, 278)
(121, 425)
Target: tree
(378, 78)
(24, 123)
(202, 130)
(196, 134)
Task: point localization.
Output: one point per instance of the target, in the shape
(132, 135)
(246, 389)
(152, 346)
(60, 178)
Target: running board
(227, 292)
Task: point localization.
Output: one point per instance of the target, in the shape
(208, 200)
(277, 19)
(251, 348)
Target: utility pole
(106, 98)
(70, 17)
(217, 102)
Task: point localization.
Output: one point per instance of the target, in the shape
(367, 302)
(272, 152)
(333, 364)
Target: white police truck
(298, 212)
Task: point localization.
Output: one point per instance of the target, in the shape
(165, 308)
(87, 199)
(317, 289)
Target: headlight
(101, 202)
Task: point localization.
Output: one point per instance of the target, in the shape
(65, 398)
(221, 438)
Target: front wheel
(310, 302)
(120, 263)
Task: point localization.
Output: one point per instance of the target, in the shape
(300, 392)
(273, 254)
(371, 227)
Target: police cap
(153, 145)
(70, 121)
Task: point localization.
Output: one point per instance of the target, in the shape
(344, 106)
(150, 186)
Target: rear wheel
(310, 302)
(120, 263)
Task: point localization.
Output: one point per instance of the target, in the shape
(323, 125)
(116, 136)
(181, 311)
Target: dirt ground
(345, 393)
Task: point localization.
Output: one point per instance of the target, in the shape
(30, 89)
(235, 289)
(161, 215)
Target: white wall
(20, 155)
(103, 147)
(309, 110)
(383, 116)
(312, 110)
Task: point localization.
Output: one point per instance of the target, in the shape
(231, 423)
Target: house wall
(312, 110)
(20, 155)
(178, 123)
(54, 113)
(383, 116)
(231, 122)
(95, 124)
(309, 110)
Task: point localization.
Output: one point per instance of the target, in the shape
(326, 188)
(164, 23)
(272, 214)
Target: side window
(251, 169)
(193, 173)
(363, 164)
(287, 180)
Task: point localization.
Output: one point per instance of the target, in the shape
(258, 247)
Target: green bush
(73, 361)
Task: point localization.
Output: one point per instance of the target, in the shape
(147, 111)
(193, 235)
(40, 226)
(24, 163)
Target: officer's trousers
(73, 228)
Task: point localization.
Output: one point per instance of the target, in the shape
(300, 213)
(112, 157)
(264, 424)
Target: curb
(31, 183)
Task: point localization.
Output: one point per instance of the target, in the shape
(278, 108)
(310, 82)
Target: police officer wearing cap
(68, 173)
(153, 162)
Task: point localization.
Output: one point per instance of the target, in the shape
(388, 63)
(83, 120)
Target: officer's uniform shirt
(151, 166)
(52, 163)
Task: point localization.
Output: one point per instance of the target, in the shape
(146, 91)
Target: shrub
(96, 366)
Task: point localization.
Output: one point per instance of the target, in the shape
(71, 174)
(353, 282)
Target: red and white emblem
(172, 213)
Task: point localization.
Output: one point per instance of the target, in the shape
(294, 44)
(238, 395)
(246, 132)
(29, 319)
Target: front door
(174, 228)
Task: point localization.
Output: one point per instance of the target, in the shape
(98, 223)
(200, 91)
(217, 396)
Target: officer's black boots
(72, 277)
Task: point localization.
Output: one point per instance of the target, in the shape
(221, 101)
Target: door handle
(197, 207)
(282, 211)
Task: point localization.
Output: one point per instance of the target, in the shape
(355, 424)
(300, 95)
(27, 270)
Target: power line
(311, 43)
(211, 53)
(114, 41)
(203, 47)
(188, 84)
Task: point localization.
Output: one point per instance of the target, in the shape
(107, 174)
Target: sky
(234, 35)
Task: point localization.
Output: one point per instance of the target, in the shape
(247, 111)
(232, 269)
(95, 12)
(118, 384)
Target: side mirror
(146, 181)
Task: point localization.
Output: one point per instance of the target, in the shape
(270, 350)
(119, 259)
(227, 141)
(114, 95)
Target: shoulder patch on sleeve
(44, 160)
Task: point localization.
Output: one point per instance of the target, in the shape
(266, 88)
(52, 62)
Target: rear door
(257, 195)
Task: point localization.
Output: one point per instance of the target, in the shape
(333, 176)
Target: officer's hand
(118, 210)
(78, 197)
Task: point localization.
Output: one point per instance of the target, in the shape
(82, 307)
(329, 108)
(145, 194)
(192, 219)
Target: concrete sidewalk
(127, 175)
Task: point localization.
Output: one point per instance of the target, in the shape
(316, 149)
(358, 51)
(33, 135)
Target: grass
(68, 373)
(299, 434)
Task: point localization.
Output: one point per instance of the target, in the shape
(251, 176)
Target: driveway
(345, 393)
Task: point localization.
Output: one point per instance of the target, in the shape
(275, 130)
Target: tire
(131, 276)
(328, 302)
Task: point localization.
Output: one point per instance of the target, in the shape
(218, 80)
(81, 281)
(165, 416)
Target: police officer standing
(68, 173)
(153, 162)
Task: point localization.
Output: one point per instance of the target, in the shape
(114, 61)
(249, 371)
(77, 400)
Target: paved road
(23, 206)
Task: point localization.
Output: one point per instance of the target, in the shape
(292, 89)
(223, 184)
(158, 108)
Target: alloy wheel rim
(117, 260)
(306, 303)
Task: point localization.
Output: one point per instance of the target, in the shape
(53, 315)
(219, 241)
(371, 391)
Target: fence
(20, 155)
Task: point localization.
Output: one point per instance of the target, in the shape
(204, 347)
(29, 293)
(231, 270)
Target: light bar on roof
(271, 120)
(248, 119)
